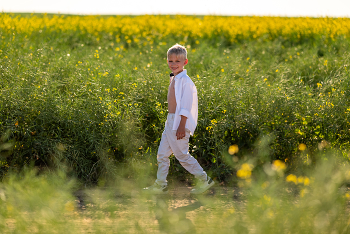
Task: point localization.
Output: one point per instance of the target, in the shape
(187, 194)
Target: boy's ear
(186, 61)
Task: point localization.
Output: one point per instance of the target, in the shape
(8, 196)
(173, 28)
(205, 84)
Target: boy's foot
(203, 186)
(156, 189)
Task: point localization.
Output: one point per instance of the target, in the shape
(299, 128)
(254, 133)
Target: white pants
(168, 145)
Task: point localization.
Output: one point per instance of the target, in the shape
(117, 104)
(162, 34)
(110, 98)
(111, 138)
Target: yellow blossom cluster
(233, 149)
(146, 29)
(245, 171)
(278, 165)
(298, 180)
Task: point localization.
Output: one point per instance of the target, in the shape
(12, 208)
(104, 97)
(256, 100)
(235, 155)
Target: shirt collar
(180, 75)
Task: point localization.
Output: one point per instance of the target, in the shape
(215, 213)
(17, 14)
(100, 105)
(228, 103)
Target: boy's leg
(164, 152)
(180, 150)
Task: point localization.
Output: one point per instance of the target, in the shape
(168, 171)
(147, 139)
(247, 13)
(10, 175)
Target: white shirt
(186, 101)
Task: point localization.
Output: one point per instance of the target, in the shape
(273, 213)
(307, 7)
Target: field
(84, 104)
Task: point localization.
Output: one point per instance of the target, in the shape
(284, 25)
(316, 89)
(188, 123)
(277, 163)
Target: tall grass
(93, 96)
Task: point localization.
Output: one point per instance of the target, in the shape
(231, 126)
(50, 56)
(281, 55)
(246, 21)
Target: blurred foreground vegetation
(265, 201)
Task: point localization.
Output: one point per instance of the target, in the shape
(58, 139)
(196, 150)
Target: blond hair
(178, 50)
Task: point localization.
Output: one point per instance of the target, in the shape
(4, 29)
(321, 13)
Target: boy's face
(176, 63)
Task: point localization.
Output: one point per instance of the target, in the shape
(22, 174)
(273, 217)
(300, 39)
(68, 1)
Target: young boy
(181, 123)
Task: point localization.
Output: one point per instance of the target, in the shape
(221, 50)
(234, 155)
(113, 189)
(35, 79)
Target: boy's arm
(185, 109)
(186, 100)
(181, 130)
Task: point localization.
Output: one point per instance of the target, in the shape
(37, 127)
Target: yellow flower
(222, 70)
(233, 149)
(302, 147)
(292, 178)
(306, 181)
(278, 165)
(247, 167)
(347, 195)
(244, 174)
(300, 180)
(245, 171)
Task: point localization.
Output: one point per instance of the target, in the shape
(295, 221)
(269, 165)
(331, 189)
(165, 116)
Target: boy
(181, 123)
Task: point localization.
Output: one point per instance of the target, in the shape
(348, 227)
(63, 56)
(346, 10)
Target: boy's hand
(180, 133)
(181, 130)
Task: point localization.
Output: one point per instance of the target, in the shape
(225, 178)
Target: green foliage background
(96, 103)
